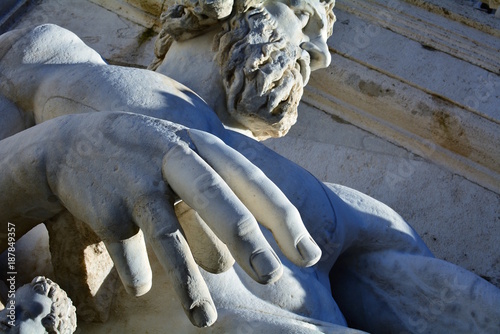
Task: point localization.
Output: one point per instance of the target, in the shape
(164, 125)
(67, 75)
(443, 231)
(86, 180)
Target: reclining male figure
(121, 170)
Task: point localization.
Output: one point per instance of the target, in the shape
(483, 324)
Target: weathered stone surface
(400, 170)
(82, 267)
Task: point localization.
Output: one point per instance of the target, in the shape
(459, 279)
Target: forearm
(25, 197)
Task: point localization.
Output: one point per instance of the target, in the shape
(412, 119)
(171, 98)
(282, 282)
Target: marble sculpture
(267, 243)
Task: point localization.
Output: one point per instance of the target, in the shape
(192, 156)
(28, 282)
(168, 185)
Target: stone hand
(121, 173)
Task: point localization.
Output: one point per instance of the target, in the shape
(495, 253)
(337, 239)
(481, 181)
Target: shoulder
(46, 44)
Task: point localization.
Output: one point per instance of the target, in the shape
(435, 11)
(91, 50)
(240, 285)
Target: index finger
(259, 194)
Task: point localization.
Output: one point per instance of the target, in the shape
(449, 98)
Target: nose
(318, 50)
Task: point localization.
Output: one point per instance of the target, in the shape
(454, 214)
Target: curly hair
(191, 18)
(62, 316)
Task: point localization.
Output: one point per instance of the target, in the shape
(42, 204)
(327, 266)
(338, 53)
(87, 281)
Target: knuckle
(245, 227)
(167, 232)
(176, 151)
(208, 184)
(291, 215)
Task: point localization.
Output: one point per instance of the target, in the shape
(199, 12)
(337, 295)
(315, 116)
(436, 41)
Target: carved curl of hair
(62, 316)
(191, 18)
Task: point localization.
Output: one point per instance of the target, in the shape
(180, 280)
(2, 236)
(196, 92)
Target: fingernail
(309, 250)
(138, 290)
(203, 315)
(266, 265)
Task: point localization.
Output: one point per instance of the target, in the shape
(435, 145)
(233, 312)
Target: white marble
(38, 307)
(359, 229)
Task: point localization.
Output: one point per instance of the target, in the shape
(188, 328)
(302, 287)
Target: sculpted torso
(375, 251)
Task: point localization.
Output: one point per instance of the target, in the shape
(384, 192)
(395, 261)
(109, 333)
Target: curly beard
(262, 72)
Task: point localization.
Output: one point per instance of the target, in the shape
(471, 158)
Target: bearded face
(263, 73)
(265, 53)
